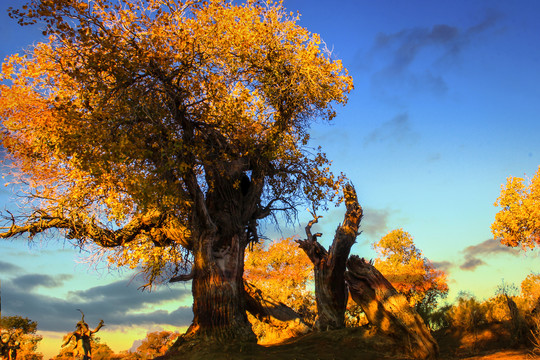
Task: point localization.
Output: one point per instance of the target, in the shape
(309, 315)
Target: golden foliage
(467, 313)
(412, 274)
(136, 107)
(518, 222)
(530, 290)
(282, 271)
(156, 343)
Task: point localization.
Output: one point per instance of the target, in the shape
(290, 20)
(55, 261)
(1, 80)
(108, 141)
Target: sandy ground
(504, 355)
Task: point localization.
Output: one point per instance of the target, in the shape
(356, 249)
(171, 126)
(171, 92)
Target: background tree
(530, 291)
(18, 322)
(467, 313)
(283, 272)
(102, 351)
(164, 131)
(24, 330)
(518, 222)
(156, 344)
(354, 314)
(412, 274)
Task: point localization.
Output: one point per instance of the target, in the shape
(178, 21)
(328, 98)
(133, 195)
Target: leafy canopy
(530, 288)
(134, 125)
(518, 222)
(412, 274)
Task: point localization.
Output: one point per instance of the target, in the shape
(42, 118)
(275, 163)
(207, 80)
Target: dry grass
(535, 335)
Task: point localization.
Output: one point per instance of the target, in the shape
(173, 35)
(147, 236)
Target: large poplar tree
(165, 131)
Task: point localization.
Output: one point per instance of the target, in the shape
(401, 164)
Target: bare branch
(315, 251)
(184, 277)
(315, 220)
(78, 228)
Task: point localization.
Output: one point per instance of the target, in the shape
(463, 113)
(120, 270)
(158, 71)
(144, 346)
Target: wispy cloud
(491, 246)
(395, 130)
(375, 222)
(487, 248)
(443, 265)
(400, 52)
(434, 157)
(31, 281)
(471, 263)
(8, 268)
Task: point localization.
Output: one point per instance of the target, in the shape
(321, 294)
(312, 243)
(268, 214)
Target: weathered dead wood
(329, 266)
(388, 310)
(274, 312)
(518, 323)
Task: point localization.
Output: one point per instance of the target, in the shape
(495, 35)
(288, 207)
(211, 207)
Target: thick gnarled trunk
(329, 266)
(219, 305)
(388, 310)
(224, 221)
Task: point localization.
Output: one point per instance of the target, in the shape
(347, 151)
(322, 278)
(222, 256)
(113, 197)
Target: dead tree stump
(388, 310)
(329, 266)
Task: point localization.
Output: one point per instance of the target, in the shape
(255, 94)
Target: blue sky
(445, 107)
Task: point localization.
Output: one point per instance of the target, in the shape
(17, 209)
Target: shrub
(467, 314)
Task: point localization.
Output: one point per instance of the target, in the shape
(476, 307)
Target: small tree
(282, 271)
(156, 343)
(101, 351)
(411, 273)
(518, 222)
(530, 291)
(21, 331)
(467, 313)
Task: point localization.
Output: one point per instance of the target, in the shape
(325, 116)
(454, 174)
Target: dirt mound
(503, 355)
(492, 342)
(352, 343)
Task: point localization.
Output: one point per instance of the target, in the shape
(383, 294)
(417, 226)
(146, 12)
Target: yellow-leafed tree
(163, 131)
(281, 271)
(412, 274)
(518, 222)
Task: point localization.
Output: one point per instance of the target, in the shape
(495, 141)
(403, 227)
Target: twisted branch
(78, 228)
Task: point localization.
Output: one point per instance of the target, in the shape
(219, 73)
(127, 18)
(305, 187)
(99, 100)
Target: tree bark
(389, 310)
(219, 305)
(329, 266)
